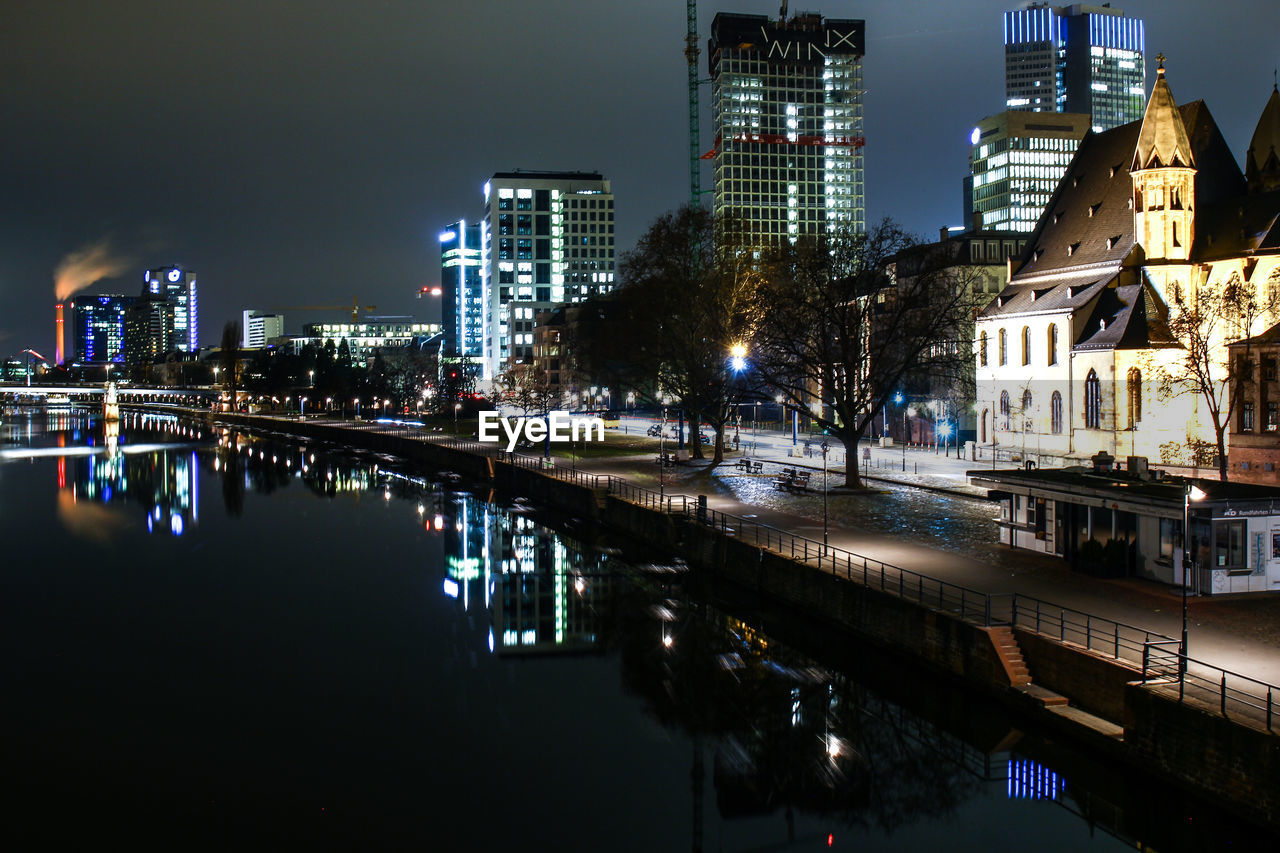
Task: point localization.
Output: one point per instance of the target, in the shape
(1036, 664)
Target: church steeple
(1262, 162)
(1163, 138)
(1163, 174)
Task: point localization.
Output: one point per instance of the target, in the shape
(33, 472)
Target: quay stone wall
(1235, 764)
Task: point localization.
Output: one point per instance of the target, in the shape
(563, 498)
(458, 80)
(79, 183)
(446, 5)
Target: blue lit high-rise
(97, 328)
(1075, 59)
(462, 311)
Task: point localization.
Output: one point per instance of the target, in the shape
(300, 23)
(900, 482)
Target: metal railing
(676, 504)
(969, 604)
(1229, 694)
(1119, 640)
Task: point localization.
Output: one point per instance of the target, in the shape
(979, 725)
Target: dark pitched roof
(1236, 226)
(1126, 317)
(1061, 293)
(1089, 222)
(1264, 146)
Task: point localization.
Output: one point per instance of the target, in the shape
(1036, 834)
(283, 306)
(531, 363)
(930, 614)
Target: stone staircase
(1015, 668)
(1010, 655)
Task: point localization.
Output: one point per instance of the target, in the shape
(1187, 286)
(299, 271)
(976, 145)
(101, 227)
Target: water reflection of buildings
(165, 480)
(543, 593)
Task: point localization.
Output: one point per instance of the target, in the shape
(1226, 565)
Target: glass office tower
(1075, 59)
(787, 106)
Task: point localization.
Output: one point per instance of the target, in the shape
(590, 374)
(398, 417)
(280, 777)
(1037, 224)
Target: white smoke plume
(84, 266)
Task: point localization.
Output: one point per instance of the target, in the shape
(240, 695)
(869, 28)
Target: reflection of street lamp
(1189, 493)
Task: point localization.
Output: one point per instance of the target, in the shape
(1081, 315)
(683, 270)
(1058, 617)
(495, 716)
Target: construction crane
(354, 308)
(691, 58)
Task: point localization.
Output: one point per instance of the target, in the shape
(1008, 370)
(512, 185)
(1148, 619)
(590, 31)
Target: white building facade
(546, 239)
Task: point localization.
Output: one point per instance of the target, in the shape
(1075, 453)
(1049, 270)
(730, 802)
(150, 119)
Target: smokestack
(57, 343)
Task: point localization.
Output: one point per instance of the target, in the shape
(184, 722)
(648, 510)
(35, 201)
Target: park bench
(751, 466)
(790, 480)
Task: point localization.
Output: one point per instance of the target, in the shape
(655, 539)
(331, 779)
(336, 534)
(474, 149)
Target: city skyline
(308, 160)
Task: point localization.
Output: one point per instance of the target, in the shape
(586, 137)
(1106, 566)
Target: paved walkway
(1237, 633)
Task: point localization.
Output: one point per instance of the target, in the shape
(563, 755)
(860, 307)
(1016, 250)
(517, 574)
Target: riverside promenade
(938, 534)
(1239, 633)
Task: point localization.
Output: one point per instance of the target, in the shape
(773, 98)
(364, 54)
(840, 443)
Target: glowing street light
(1190, 492)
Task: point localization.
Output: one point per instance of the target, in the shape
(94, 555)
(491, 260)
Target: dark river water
(221, 639)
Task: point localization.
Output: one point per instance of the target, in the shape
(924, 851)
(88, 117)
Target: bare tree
(686, 300)
(838, 332)
(527, 389)
(1204, 320)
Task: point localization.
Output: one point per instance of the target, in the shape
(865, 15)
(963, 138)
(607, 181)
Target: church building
(1154, 248)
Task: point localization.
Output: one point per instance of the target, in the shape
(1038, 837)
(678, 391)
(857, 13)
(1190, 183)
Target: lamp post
(662, 456)
(897, 399)
(312, 374)
(302, 407)
(457, 407)
(825, 447)
(1189, 493)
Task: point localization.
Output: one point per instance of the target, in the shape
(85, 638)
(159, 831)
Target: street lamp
(457, 407)
(662, 456)
(312, 374)
(897, 398)
(825, 448)
(302, 406)
(1190, 492)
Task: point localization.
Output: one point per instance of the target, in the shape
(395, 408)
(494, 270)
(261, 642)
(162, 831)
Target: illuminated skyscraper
(177, 286)
(462, 311)
(546, 239)
(97, 328)
(1016, 160)
(1075, 59)
(787, 106)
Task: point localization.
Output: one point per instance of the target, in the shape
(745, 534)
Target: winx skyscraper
(787, 107)
(1075, 59)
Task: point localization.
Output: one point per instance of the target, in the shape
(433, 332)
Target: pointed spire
(1266, 137)
(1163, 138)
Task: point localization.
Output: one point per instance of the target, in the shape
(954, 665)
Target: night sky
(303, 153)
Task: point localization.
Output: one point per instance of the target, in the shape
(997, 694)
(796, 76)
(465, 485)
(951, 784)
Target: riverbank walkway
(1240, 634)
